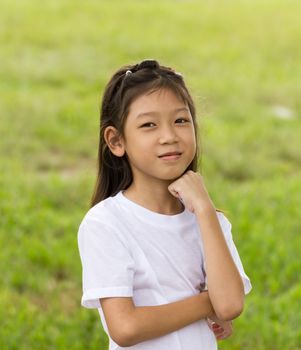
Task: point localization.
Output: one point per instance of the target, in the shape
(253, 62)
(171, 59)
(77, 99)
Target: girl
(158, 259)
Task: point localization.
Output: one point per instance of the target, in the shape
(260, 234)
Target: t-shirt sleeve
(107, 265)
(226, 228)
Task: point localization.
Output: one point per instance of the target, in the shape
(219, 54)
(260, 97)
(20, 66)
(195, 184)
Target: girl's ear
(114, 141)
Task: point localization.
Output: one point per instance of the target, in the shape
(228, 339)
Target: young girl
(158, 259)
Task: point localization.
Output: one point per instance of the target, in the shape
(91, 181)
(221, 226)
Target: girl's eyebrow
(186, 109)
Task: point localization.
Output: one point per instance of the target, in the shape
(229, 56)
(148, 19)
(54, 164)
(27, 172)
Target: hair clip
(128, 72)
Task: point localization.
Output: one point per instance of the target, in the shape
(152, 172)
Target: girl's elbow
(124, 337)
(123, 333)
(230, 311)
(123, 342)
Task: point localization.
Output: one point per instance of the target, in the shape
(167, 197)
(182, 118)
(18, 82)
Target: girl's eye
(182, 120)
(147, 125)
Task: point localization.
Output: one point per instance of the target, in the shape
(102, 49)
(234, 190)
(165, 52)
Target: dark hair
(128, 83)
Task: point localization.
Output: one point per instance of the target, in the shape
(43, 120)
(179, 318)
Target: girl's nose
(168, 135)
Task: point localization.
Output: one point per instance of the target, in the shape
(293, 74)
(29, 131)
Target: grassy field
(241, 60)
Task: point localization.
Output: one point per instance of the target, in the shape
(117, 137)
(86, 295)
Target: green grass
(240, 60)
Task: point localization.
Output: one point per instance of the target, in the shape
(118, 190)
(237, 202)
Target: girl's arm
(225, 286)
(224, 282)
(129, 325)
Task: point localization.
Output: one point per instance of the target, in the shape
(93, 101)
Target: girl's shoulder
(102, 224)
(104, 211)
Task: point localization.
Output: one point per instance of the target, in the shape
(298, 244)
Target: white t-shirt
(129, 251)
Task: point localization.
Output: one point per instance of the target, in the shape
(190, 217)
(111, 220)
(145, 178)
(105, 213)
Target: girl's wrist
(204, 209)
(210, 310)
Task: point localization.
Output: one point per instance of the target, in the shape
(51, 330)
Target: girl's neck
(159, 199)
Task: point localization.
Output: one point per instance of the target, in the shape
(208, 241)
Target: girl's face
(157, 123)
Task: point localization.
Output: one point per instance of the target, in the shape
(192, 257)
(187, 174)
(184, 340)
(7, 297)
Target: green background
(241, 61)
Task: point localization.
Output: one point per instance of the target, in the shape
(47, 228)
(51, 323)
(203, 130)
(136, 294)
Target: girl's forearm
(224, 282)
(155, 321)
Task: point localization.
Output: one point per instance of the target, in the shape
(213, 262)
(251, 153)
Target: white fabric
(129, 251)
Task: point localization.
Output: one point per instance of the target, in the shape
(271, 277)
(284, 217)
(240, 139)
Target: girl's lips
(174, 157)
(171, 156)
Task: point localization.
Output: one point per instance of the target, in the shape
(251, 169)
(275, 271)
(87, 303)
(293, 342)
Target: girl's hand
(191, 190)
(221, 329)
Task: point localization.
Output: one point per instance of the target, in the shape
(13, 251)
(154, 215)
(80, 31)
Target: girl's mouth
(171, 156)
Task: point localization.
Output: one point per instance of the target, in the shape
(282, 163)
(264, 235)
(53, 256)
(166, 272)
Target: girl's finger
(224, 335)
(174, 192)
(218, 332)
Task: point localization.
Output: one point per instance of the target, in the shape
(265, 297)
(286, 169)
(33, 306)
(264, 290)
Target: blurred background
(241, 62)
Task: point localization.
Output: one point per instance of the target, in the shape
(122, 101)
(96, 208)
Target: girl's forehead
(158, 98)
